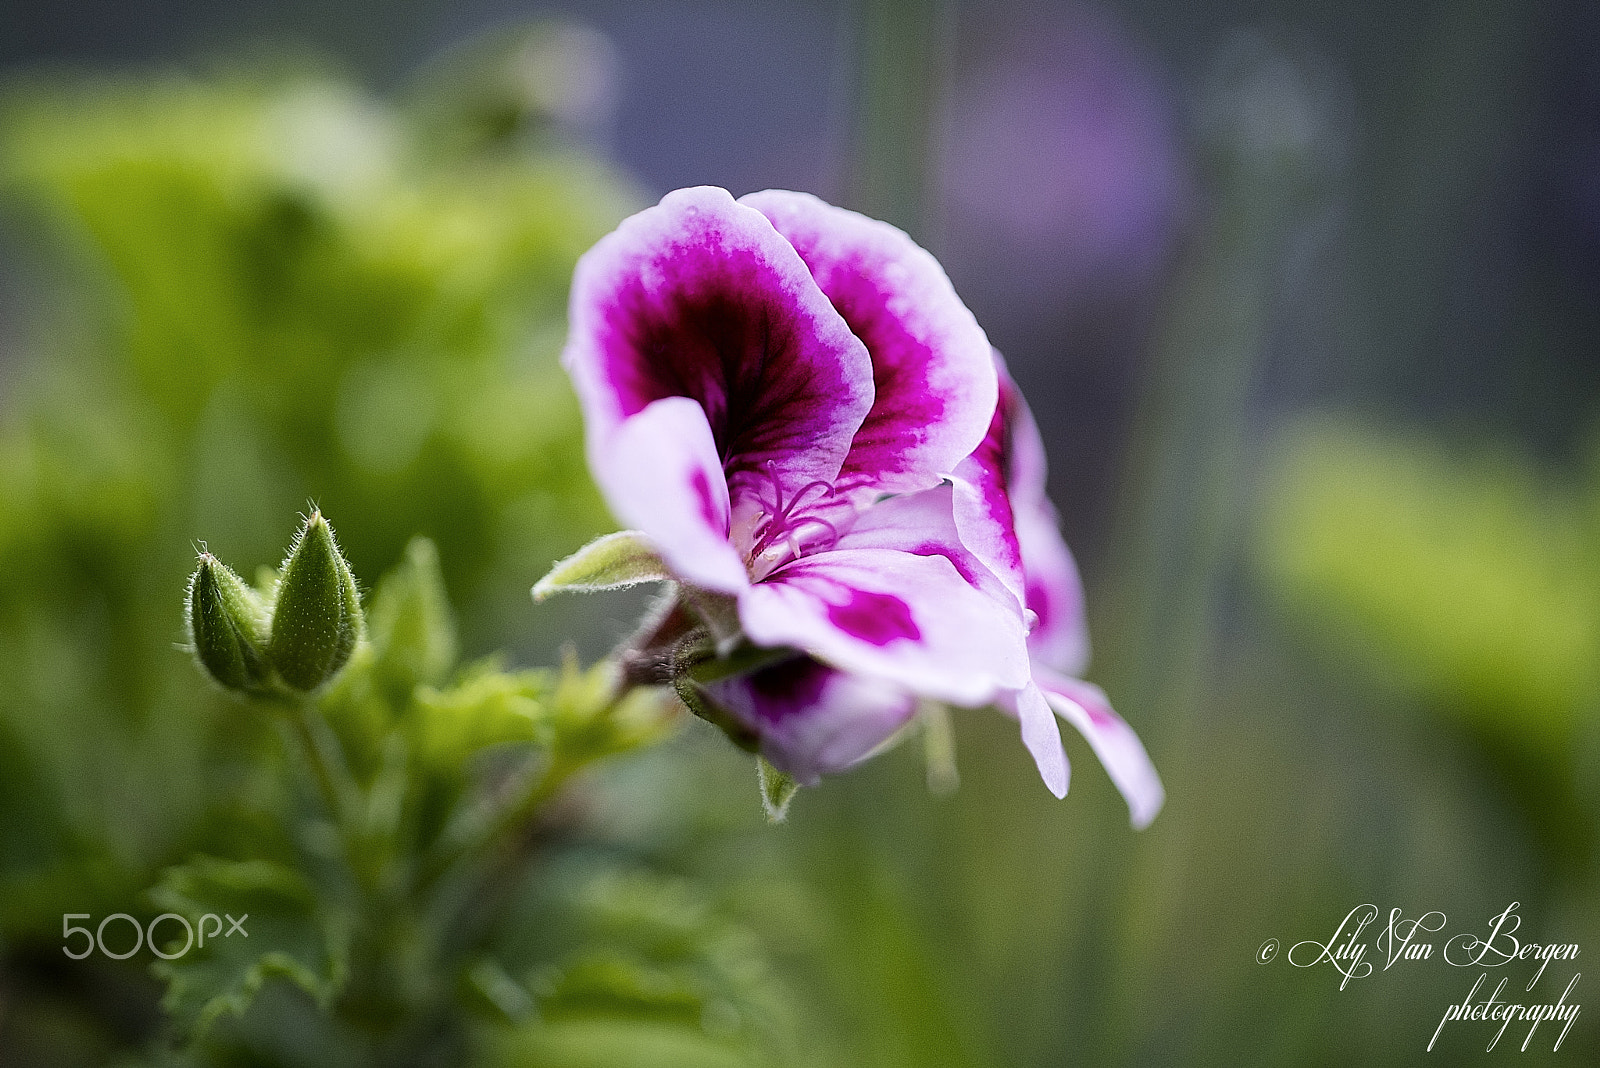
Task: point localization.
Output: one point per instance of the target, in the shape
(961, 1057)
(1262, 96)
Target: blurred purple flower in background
(1066, 189)
(1062, 157)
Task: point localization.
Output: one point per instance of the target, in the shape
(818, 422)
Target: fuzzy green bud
(227, 627)
(316, 616)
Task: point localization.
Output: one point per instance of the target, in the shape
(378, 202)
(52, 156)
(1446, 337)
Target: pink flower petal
(813, 720)
(1007, 520)
(1042, 737)
(934, 380)
(1085, 706)
(924, 524)
(700, 297)
(1060, 639)
(907, 619)
(660, 472)
(983, 512)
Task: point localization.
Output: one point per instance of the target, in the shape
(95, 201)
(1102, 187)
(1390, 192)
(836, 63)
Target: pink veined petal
(924, 524)
(660, 473)
(907, 619)
(700, 297)
(1008, 522)
(1085, 706)
(811, 719)
(935, 383)
(1060, 638)
(1041, 735)
(983, 510)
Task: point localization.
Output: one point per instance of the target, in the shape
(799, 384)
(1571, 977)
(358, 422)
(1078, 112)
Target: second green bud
(316, 614)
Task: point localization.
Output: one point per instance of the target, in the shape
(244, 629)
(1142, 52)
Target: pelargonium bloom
(779, 394)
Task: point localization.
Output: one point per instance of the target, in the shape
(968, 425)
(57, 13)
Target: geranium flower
(778, 394)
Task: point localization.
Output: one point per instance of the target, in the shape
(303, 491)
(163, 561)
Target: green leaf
(487, 707)
(645, 971)
(604, 1042)
(777, 790)
(594, 719)
(410, 626)
(281, 935)
(610, 562)
(316, 617)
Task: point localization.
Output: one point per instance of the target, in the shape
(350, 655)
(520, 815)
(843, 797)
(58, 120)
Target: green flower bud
(227, 627)
(316, 618)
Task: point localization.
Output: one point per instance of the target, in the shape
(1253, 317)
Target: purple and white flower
(794, 407)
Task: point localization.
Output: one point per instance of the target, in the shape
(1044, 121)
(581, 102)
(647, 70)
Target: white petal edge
(1084, 705)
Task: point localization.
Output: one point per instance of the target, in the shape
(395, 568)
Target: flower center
(784, 530)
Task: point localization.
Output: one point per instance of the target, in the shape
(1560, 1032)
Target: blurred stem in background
(903, 49)
(1428, 334)
(1269, 156)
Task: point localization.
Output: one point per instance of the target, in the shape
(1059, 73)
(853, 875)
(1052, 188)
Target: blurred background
(1306, 297)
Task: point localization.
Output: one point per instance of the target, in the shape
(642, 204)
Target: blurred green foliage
(264, 286)
(1466, 580)
(394, 856)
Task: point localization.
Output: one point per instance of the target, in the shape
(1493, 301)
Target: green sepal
(610, 562)
(698, 671)
(720, 614)
(227, 627)
(777, 790)
(316, 617)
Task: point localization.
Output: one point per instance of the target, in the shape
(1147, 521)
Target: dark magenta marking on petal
(878, 618)
(993, 457)
(958, 560)
(1101, 718)
(710, 335)
(779, 375)
(1040, 603)
(905, 405)
(930, 360)
(708, 505)
(789, 688)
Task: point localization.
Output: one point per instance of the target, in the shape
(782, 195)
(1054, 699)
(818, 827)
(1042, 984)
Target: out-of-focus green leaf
(266, 289)
(647, 972)
(1466, 579)
(284, 936)
(410, 625)
(486, 707)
